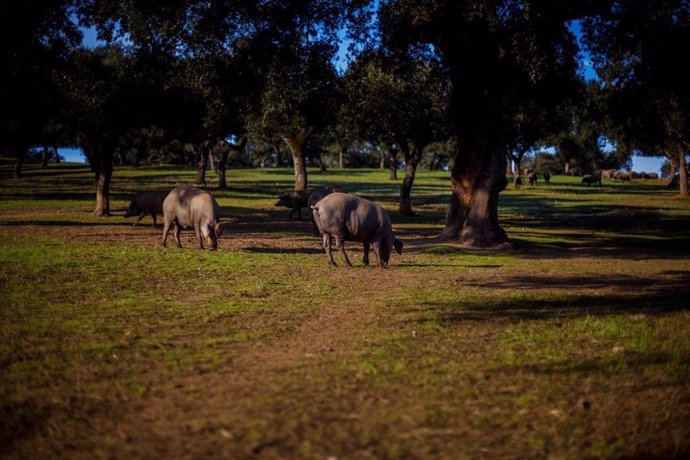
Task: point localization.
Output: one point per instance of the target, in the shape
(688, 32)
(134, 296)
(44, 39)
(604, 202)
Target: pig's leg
(214, 239)
(340, 241)
(377, 247)
(199, 235)
(365, 259)
(153, 214)
(178, 230)
(327, 248)
(139, 217)
(166, 230)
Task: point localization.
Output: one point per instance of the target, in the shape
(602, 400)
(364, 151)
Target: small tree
(399, 101)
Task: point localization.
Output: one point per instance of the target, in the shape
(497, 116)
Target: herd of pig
(335, 215)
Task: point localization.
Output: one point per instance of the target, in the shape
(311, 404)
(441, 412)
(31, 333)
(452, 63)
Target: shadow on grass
(624, 294)
(299, 250)
(629, 359)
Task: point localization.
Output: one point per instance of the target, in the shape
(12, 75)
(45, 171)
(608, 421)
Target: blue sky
(639, 163)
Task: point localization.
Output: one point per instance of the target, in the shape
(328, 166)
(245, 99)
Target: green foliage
(635, 54)
(36, 39)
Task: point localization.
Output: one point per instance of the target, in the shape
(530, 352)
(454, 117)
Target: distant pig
(349, 218)
(146, 203)
(296, 200)
(592, 179)
(192, 207)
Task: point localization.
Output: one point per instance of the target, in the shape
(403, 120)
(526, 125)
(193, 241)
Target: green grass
(576, 344)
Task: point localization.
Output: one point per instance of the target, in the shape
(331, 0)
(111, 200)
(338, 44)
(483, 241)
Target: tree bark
(225, 148)
(319, 161)
(201, 165)
(473, 212)
(382, 160)
(57, 155)
(683, 174)
(296, 145)
(393, 162)
(222, 166)
(105, 174)
(341, 154)
(212, 159)
(674, 167)
(412, 160)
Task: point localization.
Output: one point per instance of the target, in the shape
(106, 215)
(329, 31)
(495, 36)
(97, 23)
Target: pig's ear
(398, 245)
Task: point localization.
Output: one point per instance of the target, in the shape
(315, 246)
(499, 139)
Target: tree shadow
(293, 250)
(621, 294)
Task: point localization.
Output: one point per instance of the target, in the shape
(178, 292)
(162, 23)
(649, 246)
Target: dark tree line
(484, 80)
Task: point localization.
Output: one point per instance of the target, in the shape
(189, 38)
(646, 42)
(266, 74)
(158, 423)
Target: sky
(639, 163)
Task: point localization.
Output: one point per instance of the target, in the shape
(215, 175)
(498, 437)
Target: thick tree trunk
(341, 162)
(683, 174)
(212, 160)
(220, 170)
(296, 145)
(393, 163)
(412, 160)
(473, 212)
(674, 167)
(103, 185)
(382, 160)
(57, 155)
(322, 165)
(201, 165)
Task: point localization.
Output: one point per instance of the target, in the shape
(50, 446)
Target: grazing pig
(296, 200)
(146, 203)
(315, 197)
(349, 218)
(547, 177)
(592, 179)
(609, 174)
(532, 178)
(192, 207)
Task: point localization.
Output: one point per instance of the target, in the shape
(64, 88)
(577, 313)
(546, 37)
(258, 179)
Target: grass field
(576, 344)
